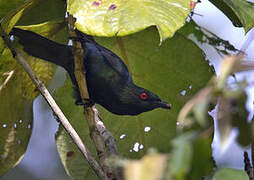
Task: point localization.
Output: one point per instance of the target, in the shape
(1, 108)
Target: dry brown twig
(100, 136)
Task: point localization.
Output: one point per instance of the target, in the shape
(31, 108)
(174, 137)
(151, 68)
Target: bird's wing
(110, 58)
(114, 61)
(40, 47)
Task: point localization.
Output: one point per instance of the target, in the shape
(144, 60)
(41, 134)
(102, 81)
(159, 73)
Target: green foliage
(231, 100)
(176, 70)
(139, 51)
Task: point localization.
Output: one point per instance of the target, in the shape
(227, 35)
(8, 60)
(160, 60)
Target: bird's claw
(84, 102)
(76, 39)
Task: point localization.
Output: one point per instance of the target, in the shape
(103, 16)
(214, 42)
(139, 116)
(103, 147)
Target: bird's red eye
(143, 96)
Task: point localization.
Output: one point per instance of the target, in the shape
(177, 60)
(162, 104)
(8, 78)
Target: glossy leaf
(118, 17)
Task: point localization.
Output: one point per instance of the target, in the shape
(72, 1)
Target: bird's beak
(164, 104)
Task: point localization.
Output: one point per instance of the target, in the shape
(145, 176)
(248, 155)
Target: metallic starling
(108, 80)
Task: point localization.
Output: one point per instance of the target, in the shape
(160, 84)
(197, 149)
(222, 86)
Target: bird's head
(140, 100)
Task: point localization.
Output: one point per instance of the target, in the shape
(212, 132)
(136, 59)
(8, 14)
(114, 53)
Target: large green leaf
(240, 12)
(175, 71)
(16, 97)
(124, 17)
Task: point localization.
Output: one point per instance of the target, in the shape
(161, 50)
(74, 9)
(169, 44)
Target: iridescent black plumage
(108, 80)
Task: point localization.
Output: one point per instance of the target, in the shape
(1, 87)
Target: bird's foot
(79, 39)
(84, 102)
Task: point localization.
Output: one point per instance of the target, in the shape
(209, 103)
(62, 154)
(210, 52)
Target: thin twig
(9, 75)
(247, 166)
(57, 111)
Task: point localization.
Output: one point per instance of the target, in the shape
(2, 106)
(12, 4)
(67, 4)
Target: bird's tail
(40, 47)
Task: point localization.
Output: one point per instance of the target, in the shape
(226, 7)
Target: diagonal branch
(57, 111)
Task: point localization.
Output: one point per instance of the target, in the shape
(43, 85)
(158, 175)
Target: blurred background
(41, 160)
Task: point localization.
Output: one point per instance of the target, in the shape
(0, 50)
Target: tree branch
(100, 136)
(78, 53)
(57, 111)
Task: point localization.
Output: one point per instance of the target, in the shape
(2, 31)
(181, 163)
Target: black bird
(108, 80)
